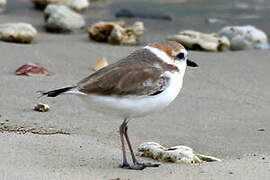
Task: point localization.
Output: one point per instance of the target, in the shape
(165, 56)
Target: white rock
(77, 5)
(17, 32)
(62, 19)
(201, 41)
(3, 3)
(245, 37)
(174, 154)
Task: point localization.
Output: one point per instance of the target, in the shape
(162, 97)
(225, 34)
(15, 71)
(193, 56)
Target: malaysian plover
(147, 80)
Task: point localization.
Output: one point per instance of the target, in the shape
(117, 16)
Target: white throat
(181, 65)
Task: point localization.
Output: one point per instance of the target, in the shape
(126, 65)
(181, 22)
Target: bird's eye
(180, 55)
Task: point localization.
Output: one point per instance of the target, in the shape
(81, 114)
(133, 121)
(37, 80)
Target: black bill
(191, 63)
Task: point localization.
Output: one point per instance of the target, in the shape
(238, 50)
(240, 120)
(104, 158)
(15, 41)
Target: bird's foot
(139, 166)
(125, 165)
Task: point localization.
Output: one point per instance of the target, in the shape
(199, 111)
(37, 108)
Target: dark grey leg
(121, 131)
(136, 165)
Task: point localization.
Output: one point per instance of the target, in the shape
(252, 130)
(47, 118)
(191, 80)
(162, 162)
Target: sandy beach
(223, 109)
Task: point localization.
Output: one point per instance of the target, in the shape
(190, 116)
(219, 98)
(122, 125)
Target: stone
(3, 3)
(77, 5)
(59, 18)
(116, 32)
(200, 41)
(245, 37)
(176, 154)
(17, 32)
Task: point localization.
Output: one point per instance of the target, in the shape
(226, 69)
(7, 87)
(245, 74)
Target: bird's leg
(136, 164)
(121, 131)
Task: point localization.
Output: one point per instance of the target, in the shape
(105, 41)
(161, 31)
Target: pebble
(200, 41)
(59, 18)
(17, 32)
(116, 32)
(3, 3)
(245, 37)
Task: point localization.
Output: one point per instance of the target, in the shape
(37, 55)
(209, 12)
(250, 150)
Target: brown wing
(125, 80)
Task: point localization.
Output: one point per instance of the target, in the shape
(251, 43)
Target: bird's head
(172, 53)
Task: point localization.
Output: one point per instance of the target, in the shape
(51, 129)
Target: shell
(101, 63)
(42, 107)
(31, 68)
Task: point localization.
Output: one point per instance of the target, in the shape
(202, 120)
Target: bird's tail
(56, 92)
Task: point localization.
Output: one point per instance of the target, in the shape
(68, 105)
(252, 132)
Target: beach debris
(245, 37)
(17, 32)
(22, 130)
(130, 14)
(42, 107)
(116, 32)
(101, 63)
(176, 154)
(200, 41)
(77, 5)
(31, 68)
(59, 18)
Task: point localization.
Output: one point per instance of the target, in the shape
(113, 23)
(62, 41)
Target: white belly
(132, 106)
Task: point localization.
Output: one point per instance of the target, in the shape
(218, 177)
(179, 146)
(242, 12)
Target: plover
(147, 80)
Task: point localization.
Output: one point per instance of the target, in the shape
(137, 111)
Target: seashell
(42, 107)
(31, 68)
(101, 63)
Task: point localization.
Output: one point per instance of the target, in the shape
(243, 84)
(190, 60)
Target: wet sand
(222, 105)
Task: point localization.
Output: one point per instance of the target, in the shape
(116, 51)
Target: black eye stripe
(180, 55)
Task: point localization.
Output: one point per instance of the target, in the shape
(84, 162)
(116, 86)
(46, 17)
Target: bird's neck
(180, 65)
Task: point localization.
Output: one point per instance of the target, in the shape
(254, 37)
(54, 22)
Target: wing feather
(125, 81)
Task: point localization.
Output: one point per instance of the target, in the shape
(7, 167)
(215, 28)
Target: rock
(17, 32)
(245, 37)
(174, 154)
(60, 18)
(201, 41)
(77, 5)
(3, 3)
(116, 32)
